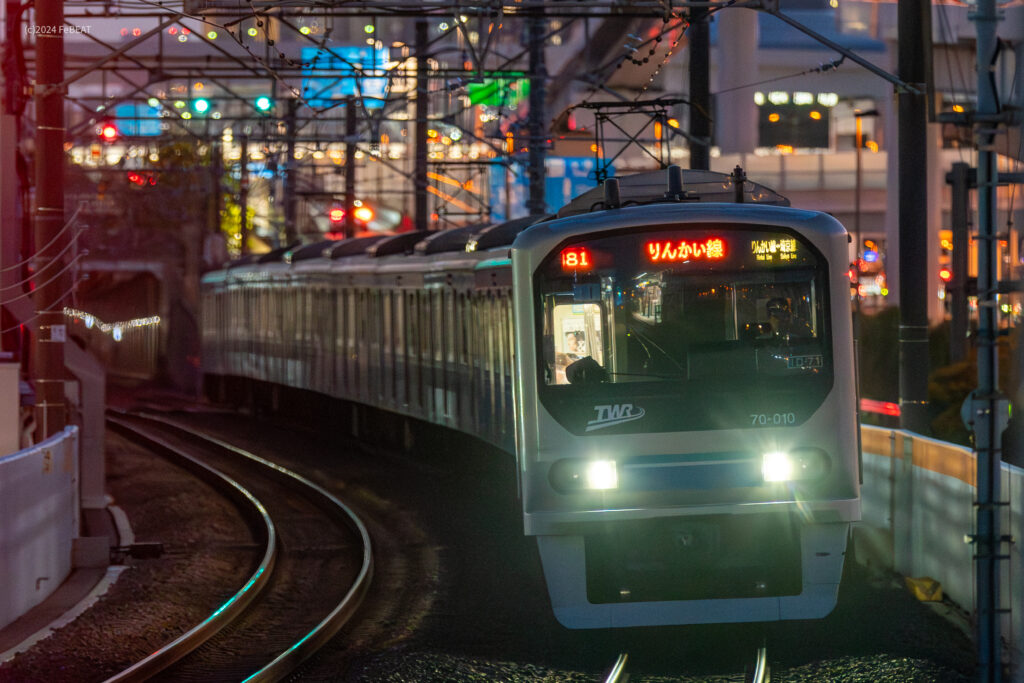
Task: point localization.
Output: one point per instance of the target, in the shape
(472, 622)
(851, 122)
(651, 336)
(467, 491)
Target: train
(668, 359)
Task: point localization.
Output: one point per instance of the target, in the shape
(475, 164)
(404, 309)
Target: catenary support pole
(291, 229)
(914, 21)
(699, 34)
(243, 192)
(957, 289)
(350, 167)
(50, 286)
(419, 173)
(535, 203)
(986, 407)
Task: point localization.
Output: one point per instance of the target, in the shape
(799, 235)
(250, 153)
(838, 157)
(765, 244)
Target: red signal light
(108, 132)
(336, 215)
(136, 178)
(945, 274)
(364, 214)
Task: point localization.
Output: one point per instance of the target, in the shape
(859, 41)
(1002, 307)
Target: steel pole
(291, 229)
(350, 167)
(243, 192)
(535, 202)
(50, 286)
(419, 174)
(699, 34)
(913, 18)
(986, 401)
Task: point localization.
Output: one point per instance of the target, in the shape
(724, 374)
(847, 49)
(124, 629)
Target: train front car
(687, 442)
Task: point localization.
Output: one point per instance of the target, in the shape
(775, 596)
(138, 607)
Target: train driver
(783, 323)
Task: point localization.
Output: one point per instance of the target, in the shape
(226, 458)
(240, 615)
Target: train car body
(686, 449)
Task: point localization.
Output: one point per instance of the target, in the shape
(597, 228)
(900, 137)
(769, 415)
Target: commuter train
(669, 358)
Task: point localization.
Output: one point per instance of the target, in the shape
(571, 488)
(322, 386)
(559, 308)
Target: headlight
(799, 464)
(584, 475)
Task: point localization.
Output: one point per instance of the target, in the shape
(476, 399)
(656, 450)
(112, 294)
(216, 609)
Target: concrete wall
(39, 519)
(918, 513)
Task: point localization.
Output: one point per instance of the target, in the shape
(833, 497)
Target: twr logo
(610, 415)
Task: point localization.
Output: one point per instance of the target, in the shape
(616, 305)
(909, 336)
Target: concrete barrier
(39, 520)
(918, 515)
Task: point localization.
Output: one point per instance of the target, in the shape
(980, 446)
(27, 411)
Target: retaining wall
(39, 518)
(918, 514)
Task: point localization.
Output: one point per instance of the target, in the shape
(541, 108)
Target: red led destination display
(672, 251)
(577, 258)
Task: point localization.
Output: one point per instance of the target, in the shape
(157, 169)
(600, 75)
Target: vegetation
(948, 383)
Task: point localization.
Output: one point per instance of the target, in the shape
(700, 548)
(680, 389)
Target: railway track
(314, 570)
(758, 673)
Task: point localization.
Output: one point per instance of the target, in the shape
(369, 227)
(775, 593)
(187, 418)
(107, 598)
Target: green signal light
(264, 103)
(202, 105)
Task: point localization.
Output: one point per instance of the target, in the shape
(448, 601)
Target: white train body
(650, 489)
(702, 469)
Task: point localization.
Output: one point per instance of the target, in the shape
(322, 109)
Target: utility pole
(350, 167)
(535, 203)
(700, 89)
(985, 407)
(420, 139)
(914, 28)
(50, 284)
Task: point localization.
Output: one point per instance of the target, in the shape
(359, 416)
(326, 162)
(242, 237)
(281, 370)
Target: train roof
(673, 185)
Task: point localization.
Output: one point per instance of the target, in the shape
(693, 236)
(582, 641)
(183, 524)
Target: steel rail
(618, 669)
(287, 661)
(761, 674)
(230, 610)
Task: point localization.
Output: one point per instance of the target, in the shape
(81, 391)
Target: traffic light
(264, 104)
(364, 214)
(945, 274)
(201, 105)
(108, 131)
(336, 214)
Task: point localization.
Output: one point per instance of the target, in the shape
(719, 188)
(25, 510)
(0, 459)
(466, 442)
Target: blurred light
(870, 256)
(816, 115)
(369, 28)
(803, 98)
(872, 145)
(182, 38)
(673, 123)
(828, 99)
(305, 30)
(202, 105)
(179, 104)
(945, 274)
(336, 214)
(212, 35)
(602, 475)
(264, 103)
(773, 117)
(778, 97)
(958, 108)
(253, 32)
(153, 102)
(109, 132)
(186, 115)
(759, 99)
(364, 214)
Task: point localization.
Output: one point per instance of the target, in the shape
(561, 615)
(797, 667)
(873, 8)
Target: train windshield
(731, 311)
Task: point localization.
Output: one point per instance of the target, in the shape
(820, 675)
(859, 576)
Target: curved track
(316, 566)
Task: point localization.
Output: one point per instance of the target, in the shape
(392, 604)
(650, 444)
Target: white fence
(918, 507)
(39, 518)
